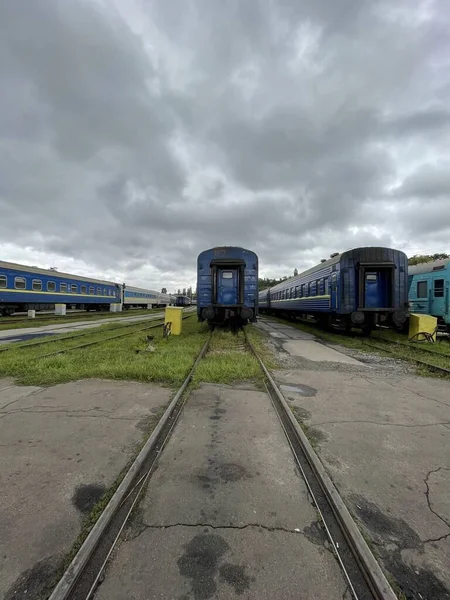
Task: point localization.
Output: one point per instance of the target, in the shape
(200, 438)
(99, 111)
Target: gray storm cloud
(135, 134)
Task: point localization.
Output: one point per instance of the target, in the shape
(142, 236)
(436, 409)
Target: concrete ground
(16, 335)
(226, 514)
(60, 449)
(384, 439)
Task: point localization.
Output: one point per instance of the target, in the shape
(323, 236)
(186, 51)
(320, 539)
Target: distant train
(182, 301)
(134, 297)
(429, 290)
(227, 286)
(23, 288)
(358, 288)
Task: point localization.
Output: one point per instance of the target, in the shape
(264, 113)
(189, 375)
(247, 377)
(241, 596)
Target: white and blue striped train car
(358, 288)
(134, 297)
(23, 288)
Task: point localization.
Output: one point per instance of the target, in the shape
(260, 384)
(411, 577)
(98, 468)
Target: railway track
(424, 363)
(362, 574)
(102, 340)
(114, 327)
(80, 315)
(384, 347)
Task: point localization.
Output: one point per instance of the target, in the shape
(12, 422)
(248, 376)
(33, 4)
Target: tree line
(424, 258)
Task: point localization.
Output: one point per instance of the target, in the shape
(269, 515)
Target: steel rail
(331, 503)
(106, 532)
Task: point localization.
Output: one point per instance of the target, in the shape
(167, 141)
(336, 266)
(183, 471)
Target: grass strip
(168, 361)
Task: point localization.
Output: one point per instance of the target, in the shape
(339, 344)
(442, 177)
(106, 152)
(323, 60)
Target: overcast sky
(136, 133)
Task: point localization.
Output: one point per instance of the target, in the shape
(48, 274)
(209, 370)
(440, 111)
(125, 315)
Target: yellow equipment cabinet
(174, 315)
(422, 324)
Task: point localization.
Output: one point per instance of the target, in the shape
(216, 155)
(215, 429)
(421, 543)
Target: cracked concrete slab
(385, 442)
(61, 448)
(317, 352)
(226, 514)
(200, 563)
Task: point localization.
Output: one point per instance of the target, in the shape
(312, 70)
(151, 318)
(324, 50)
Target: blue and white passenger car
(134, 297)
(181, 300)
(23, 288)
(358, 288)
(429, 290)
(227, 286)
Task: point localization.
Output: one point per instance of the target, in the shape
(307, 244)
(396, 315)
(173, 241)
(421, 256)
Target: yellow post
(422, 324)
(174, 315)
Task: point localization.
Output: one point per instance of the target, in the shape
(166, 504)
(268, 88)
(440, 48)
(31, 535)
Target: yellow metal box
(419, 324)
(174, 315)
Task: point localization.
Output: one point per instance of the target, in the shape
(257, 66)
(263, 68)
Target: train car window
(20, 283)
(63, 287)
(74, 288)
(36, 285)
(51, 286)
(422, 291)
(227, 275)
(292, 293)
(83, 289)
(104, 292)
(3, 282)
(92, 290)
(439, 268)
(99, 291)
(438, 288)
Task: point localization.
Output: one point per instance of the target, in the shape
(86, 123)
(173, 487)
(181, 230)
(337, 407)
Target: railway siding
(383, 435)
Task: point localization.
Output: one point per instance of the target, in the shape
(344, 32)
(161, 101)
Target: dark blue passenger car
(182, 301)
(227, 286)
(358, 288)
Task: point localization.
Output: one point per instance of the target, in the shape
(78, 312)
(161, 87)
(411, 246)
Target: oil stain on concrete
(36, 582)
(221, 473)
(201, 564)
(86, 497)
(391, 536)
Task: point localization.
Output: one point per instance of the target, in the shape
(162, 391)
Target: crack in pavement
(146, 526)
(69, 413)
(424, 397)
(427, 495)
(315, 424)
(442, 537)
(21, 398)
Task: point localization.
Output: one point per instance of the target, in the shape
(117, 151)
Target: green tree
(417, 259)
(164, 291)
(295, 272)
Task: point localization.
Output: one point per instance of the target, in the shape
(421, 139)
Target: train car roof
(429, 267)
(295, 278)
(227, 249)
(51, 273)
(142, 290)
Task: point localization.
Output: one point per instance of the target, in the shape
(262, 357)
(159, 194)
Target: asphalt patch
(391, 536)
(86, 496)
